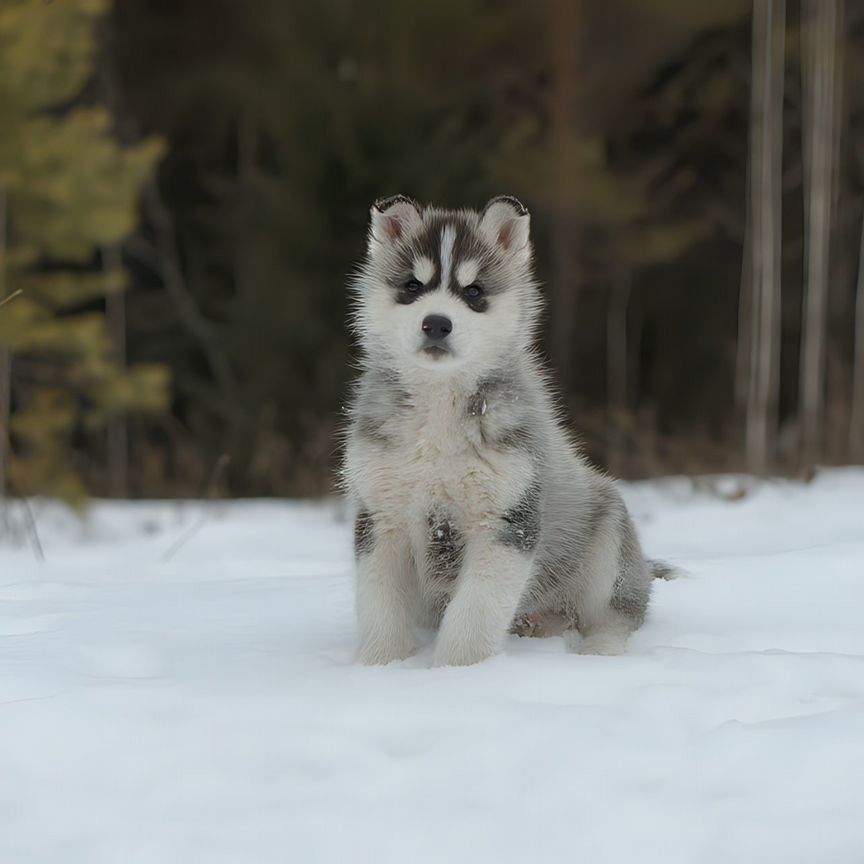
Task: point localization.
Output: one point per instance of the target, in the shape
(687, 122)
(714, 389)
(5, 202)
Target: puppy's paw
(460, 654)
(604, 642)
(379, 652)
(529, 624)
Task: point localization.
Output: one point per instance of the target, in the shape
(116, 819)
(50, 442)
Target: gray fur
(662, 570)
(631, 591)
(445, 548)
(467, 461)
(364, 533)
(521, 524)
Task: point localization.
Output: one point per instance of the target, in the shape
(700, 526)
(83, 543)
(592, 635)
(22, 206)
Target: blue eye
(473, 292)
(413, 285)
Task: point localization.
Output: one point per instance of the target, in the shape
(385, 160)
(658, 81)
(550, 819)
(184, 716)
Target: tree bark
(818, 78)
(745, 312)
(118, 430)
(856, 422)
(5, 360)
(616, 369)
(766, 150)
(565, 23)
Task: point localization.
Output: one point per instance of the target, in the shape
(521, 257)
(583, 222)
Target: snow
(206, 708)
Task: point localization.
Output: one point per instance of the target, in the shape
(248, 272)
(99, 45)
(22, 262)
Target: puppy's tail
(662, 570)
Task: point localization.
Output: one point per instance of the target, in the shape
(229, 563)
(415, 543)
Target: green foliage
(69, 191)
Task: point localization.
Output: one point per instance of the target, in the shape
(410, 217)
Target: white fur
(424, 269)
(437, 460)
(484, 603)
(448, 238)
(438, 444)
(466, 272)
(385, 611)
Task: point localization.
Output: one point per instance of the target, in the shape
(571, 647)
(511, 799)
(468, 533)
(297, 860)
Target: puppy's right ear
(391, 220)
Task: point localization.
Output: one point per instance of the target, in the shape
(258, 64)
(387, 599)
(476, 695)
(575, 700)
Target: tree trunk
(5, 359)
(616, 370)
(118, 430)
(565, 23)
(745, 312)
(818, 78)
(856, 423)
(765, 199)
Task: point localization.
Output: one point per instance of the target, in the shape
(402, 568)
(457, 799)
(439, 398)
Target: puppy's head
(442, 290)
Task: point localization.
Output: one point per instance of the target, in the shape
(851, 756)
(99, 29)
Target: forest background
(185, 186)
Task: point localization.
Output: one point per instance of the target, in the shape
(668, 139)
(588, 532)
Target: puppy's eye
(473, 292)
(413, 285)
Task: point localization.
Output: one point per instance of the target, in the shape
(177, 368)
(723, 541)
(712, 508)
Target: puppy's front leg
(488, 590)
(386, 592)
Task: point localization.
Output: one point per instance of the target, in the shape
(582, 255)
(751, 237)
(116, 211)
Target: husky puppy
(474, 506)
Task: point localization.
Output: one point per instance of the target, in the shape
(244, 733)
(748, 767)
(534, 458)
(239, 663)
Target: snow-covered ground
(206, 708)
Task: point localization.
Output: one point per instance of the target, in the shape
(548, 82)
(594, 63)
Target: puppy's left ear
(505, 222)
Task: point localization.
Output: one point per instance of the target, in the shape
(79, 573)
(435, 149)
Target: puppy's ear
(391, 220)
(505, 222)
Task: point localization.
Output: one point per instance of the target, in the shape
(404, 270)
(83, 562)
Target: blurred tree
(68, 190)
(284, 127)
(821, 50)
(852, 184)
(617, 209)
(856, 420)
(765, 198)
(623, 126)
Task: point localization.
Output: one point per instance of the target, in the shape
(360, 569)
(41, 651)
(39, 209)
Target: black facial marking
(467, 245)
(364, 533)
(406, 298)
(445, 548)
(478, 303)
(521, 524)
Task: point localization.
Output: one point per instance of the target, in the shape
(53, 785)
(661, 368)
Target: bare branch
(164, 259)
(12, 296)
(201, 521)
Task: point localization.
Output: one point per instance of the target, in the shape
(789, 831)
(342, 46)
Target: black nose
(437, 327)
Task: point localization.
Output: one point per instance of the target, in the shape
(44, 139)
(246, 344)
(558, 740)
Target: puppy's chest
(440, 460)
